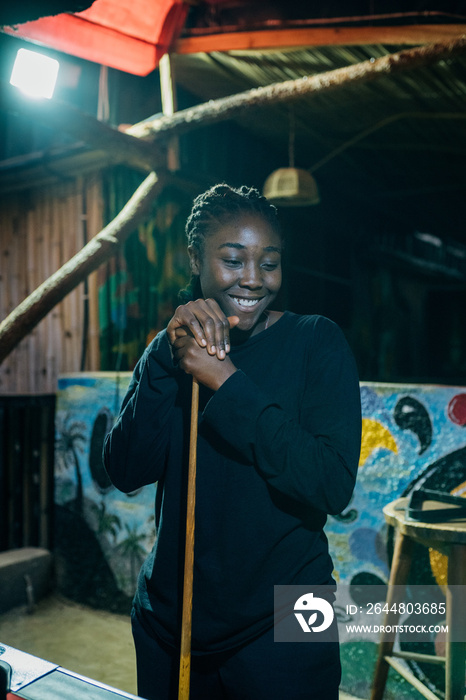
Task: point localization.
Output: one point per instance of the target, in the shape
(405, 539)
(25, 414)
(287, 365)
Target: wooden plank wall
(40, 230)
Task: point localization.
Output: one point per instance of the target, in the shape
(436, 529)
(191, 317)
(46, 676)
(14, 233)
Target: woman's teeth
(246, 302)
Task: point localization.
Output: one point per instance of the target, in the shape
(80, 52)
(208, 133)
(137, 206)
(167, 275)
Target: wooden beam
(281, 39)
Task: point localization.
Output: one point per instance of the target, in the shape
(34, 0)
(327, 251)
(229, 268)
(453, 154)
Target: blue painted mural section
(412, 435)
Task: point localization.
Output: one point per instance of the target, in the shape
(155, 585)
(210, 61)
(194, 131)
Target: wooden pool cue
(186, 621)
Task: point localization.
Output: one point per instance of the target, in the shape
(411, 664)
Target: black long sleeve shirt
(278, 450)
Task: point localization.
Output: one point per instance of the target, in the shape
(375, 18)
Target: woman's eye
(270, 266)
(232, 263)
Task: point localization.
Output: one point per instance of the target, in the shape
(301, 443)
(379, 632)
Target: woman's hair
(216, 207)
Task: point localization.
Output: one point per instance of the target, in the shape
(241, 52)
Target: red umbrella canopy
(129, 36)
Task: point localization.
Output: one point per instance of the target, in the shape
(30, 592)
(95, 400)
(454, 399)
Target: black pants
(260, 670)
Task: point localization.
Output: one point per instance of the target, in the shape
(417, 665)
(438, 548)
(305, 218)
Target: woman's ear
(194, 260)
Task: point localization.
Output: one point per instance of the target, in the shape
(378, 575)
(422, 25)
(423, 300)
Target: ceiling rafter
(282, 39)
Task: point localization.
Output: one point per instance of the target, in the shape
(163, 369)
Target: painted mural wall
(413, 435)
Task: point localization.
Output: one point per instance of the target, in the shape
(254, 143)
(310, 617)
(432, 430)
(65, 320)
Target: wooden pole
(186, 622)
(169, 107)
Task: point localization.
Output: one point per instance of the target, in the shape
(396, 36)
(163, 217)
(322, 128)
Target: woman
(278, 448)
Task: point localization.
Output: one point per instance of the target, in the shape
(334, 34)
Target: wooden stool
(450, 539)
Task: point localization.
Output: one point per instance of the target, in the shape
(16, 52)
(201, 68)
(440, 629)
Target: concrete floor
(93, 643)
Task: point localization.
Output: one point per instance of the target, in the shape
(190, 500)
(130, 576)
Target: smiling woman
(235, 246)
(222, 229)
(278, 449)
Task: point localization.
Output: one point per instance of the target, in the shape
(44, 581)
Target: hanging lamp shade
(291, 187)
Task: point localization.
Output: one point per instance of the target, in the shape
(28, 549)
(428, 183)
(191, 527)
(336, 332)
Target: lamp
(291, 187)
(34, 74)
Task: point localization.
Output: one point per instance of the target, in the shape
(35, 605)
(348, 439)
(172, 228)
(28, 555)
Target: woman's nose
(251, 277)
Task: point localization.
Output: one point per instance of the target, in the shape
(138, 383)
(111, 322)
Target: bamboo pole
(186, 623)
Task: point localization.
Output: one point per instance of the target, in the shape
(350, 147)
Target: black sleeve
(315, 459)
(135, 449)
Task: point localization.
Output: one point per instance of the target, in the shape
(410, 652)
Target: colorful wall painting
(413, 435)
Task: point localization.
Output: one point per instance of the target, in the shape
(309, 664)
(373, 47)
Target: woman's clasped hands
(199, 335)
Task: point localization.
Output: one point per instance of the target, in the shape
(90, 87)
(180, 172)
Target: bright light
(34, 74)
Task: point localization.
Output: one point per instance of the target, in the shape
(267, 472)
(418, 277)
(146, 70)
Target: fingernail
(227, 347)
(203, 342)
(221, 354)
(213, 348)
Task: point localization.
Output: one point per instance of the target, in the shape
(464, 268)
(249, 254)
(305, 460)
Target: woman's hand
(206, 322)
(207, 368)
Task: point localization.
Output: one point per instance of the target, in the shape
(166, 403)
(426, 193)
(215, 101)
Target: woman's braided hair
(216, 207)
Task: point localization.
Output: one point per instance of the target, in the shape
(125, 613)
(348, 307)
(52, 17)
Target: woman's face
(240, 267)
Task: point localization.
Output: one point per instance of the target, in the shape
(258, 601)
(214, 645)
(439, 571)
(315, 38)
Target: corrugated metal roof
(399, 134)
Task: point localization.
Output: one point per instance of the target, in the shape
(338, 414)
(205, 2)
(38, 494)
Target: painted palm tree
(70, 441)
(131, 547)
(106, 522)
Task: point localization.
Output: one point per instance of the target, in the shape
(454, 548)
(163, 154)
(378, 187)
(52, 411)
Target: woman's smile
(246, 304)
(242, 301)
(248, 309)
